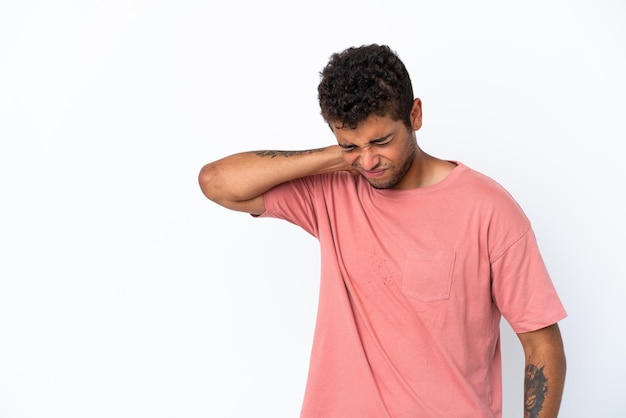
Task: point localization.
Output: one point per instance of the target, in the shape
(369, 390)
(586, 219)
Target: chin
(384, 185)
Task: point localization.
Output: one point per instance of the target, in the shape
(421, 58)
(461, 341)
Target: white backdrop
(125, 293)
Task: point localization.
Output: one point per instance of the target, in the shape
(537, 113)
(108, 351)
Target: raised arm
(545, 372)
(238, 182)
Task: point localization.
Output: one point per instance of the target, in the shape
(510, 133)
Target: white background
(125, 293)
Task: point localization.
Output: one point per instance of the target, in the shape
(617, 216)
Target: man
(420, 258)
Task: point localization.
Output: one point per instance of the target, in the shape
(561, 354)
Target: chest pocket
(427, 274)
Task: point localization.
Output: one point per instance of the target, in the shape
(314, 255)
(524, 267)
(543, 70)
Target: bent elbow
(222, 184)
(209, 183)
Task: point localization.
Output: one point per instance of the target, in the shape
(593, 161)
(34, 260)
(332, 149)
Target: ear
(416, 114)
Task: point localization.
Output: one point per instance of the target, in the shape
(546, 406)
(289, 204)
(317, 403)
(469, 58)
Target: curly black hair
(363, 81)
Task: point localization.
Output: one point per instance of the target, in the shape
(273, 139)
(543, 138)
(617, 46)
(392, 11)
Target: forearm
(544, 376)
(245, 176)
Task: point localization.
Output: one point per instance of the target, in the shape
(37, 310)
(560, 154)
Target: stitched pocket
(428, 274)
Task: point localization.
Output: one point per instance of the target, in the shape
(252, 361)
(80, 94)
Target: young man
(420, 258)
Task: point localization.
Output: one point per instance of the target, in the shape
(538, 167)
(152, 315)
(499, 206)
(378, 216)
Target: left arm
(544, 373)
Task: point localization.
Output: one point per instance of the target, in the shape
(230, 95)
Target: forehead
(373, 128)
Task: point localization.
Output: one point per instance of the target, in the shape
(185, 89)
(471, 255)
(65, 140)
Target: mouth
(374, 173)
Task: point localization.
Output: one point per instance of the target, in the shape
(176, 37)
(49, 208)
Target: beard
(398, 174)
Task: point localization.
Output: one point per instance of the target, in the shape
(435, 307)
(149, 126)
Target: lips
(373, 174)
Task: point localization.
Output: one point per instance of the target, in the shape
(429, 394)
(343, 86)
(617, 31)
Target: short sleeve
(522, 288)
(293, 201)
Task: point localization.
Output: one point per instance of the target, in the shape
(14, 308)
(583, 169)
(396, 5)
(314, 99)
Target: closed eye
(382, 143)
(348, 148)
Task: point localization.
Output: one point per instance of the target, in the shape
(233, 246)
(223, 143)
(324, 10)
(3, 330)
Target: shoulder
(492, 203)
(332, 182)
(483, 187)
(313, 188)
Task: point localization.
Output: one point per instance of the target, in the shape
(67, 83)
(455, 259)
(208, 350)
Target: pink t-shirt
(413, 286)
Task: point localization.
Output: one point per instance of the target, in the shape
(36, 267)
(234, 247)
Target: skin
(385, 152)
(544, 372)
(239, 181)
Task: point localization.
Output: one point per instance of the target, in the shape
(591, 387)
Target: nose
(368, 160)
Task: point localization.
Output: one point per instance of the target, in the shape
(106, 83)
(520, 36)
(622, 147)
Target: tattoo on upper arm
(274, 153)
(535, 390)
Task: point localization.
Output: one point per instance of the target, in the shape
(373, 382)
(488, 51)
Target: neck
(427, 170)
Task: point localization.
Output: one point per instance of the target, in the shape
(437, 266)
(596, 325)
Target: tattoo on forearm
(274, 153)
(535, 390)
